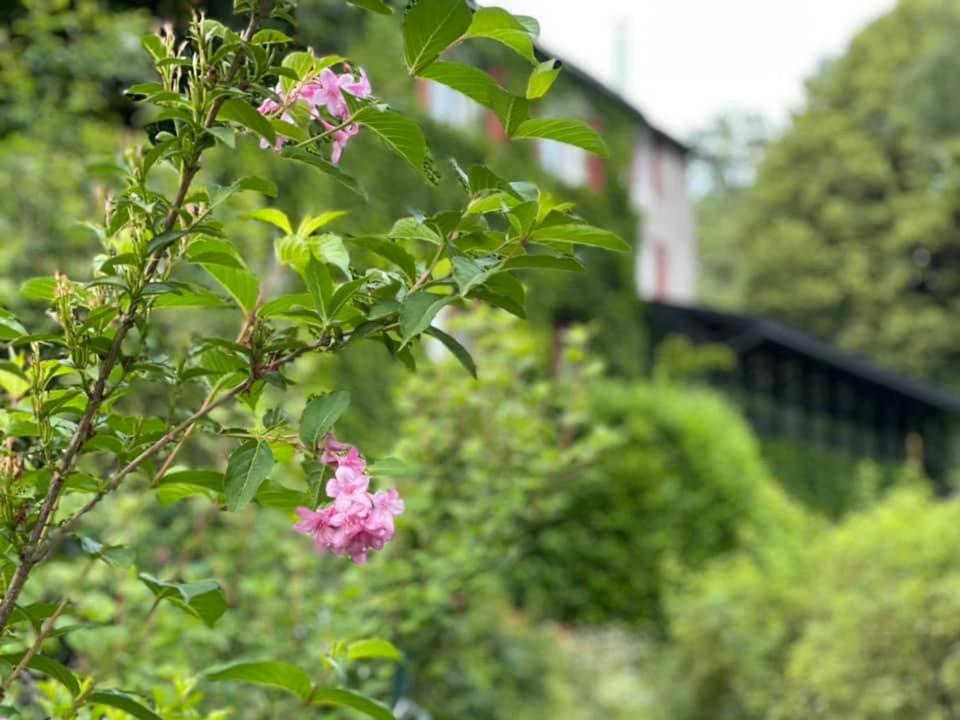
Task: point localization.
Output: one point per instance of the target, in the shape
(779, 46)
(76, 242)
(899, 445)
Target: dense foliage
(851, 228)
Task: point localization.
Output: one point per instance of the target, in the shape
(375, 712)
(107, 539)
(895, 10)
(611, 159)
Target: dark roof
(743, 332)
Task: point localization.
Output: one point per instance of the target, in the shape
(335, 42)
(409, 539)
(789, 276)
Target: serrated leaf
(242, 284)
(512, 110)
(418, 310)
(346, 698)
(329, 248)
(563, 130)
(310, 225)
(410, 228)
(129, 703)
(319, 285)
(430, 27)
(320, 414)
(467, 80)
(398, 132)
(274, 217)
(389, 250)
(247, 468)
(580, 235)
(325, 166)
(543, 262)
(501, 26)
(468, 274)
(240, 111)
(456, 349)
(271, 673)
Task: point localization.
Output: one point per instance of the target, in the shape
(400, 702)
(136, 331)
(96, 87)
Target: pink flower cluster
(324, 91)
(357, 521)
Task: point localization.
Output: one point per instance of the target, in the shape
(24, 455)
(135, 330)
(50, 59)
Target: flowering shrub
(98, 400)
(358, 521)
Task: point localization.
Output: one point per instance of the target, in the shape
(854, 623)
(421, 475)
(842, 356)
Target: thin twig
(34, 648)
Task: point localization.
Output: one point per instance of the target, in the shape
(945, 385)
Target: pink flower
(347, 481)
(358, 88)
(331, 450)
(325, 91)
(322, 92)
(341, 136)
(357, 521)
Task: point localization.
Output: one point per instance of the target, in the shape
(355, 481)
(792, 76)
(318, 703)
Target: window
(449, 107)
(565, 162)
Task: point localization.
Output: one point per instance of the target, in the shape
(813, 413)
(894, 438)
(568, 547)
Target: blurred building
(809, 402)
(655, 176)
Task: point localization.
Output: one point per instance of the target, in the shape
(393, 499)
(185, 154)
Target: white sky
(690, 59)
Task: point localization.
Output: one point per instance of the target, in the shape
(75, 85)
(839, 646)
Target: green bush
(860, 622)
(680, 485)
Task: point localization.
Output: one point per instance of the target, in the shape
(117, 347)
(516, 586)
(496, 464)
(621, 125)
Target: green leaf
(310, 225)
(271, 673)
(468, 274)
(347, 698)
(466, 79)
(10, 327)
(225, 134)
(570, 132)
(410, 228)
(153, 45)
(319, 285)
(580, 235)
(343, 294)
(458, 350)
(203, 599)
(273, 217)
(49, 667)
(320, 414)
(247, 468)
(513, 111)
(377, 6)
(113, 555)
(164, 240)
(270, 37)
(329, 248)
(325, 166)
(543, 262)
(242, 112)
(121, 700)
(177, 486)
(430, 27)
(390, 467)
(373, 648)
(398, 132)
(497, 24)
(389, 250)
(257, 184)
(418, 310)
(194, 297)
(242, 284)
(39, 288)
(542, 78)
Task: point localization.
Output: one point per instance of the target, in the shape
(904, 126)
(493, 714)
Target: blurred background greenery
(589, 533)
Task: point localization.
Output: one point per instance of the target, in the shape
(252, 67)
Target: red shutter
(596, 167)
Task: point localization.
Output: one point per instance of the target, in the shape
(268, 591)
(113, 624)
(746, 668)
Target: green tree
(852, 230)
